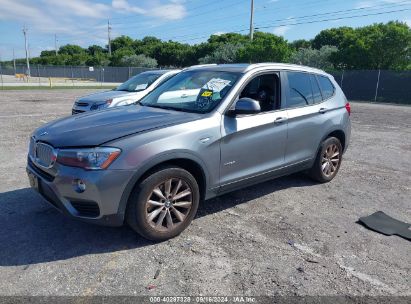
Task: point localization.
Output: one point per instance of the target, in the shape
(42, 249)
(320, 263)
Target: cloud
(81, 8)
(123, 5)
(172, 10)
(281, 30)
(372, 3)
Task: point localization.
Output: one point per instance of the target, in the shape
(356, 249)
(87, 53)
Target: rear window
(300, 91)
(327, 88)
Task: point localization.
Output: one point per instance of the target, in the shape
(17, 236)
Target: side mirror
(246, 106)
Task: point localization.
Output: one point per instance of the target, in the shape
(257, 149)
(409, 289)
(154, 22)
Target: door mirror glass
(246, 106)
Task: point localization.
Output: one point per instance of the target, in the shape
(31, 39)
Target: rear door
(307, 115)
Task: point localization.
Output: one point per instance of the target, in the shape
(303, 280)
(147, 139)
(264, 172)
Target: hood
(103, 96)
(95, 128)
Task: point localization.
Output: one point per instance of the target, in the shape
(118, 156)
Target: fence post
(129, 72)
(38, 75)
(342, 79)
(378, 84)
(72, 76)
(1, 76)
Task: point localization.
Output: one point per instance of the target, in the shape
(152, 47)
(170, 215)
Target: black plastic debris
(384, 224)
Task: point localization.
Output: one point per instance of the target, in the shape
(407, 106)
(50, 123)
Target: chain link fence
(65, 75)
(358, 85)
(376, 85)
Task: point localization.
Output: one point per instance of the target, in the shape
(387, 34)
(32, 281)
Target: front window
(192, 91)
(139, 82)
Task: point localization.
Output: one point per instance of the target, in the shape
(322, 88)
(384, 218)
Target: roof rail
(200, 66)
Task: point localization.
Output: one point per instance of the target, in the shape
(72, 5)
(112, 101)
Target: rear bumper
(98, 204)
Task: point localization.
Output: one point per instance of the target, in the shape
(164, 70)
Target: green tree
(315, 58)
(333, 37)
(301, 44)
(71, 49)
(96, 49)
(119, 54)
(139, 61)
(265, 47)
(225, 53)
(121, 43)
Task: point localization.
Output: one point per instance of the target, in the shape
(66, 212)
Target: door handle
(322, 110)
(184, 95)
(280, 120)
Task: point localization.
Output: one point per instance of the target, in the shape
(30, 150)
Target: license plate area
(34, 181)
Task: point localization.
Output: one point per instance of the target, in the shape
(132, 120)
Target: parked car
(127, 93)
(207, 131)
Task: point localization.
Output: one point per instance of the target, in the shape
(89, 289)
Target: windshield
(139, 82)
(192, 91)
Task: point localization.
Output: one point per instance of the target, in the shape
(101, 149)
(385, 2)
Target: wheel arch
(184, 160)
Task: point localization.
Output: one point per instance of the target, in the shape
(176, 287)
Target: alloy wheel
(169, 204)
(330, 160)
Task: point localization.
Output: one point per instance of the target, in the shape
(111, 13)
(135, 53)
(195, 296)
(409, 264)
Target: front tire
(163, 204)
(328, 160)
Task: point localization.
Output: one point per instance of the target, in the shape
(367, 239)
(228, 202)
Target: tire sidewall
(324, 145)
(136, 216)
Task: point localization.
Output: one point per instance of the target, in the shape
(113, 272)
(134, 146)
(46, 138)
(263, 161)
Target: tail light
(348, 108)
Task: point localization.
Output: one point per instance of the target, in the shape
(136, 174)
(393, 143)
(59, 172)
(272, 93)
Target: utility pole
(109, 36)
(14, 63)
(27, 51)
(55, 43)
(251, 20)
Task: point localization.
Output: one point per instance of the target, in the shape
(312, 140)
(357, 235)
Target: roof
(244, 67)
(161, 72)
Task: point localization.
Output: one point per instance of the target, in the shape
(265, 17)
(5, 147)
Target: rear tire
(163, 204)
(328, 160)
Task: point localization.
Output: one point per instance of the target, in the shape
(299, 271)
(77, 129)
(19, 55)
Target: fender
(158, 159)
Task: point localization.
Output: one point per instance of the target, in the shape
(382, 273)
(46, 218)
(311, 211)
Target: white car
(127, 93)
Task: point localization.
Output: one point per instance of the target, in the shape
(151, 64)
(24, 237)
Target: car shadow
(33, 232)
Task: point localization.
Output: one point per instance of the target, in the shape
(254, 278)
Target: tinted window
(300, 92)
(316, 90)
(139, 82)
(326, 86)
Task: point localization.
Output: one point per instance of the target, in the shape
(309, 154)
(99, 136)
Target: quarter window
(300, 91)
(316, 90)
(327, 88)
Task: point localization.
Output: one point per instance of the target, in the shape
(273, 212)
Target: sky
(84, 22)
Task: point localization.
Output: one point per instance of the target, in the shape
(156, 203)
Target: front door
(253, 145)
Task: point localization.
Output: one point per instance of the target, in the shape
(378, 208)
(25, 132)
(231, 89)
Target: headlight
(100, 106)
(89, 159)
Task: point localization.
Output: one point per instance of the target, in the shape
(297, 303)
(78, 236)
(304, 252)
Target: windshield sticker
(216, 84)
(207, 93)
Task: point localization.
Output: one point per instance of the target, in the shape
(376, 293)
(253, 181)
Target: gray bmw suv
(207, 131)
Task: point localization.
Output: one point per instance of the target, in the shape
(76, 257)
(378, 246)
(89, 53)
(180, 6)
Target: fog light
(79, 186)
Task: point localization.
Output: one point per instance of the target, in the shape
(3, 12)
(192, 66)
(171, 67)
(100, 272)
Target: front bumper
(99, 203)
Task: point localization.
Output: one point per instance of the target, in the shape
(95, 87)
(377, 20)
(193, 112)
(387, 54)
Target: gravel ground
(284, 237)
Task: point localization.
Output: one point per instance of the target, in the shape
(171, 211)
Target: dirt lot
(285, 237)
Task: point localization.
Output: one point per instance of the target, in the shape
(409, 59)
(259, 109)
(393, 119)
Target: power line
(306, 22)
(297, 18)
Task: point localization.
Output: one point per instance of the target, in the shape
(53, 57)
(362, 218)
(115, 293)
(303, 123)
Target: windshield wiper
(167, 108)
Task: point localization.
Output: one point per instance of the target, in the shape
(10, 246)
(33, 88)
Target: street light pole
(251, 20)
(55, 43)
(27, 50)
(109, 36)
